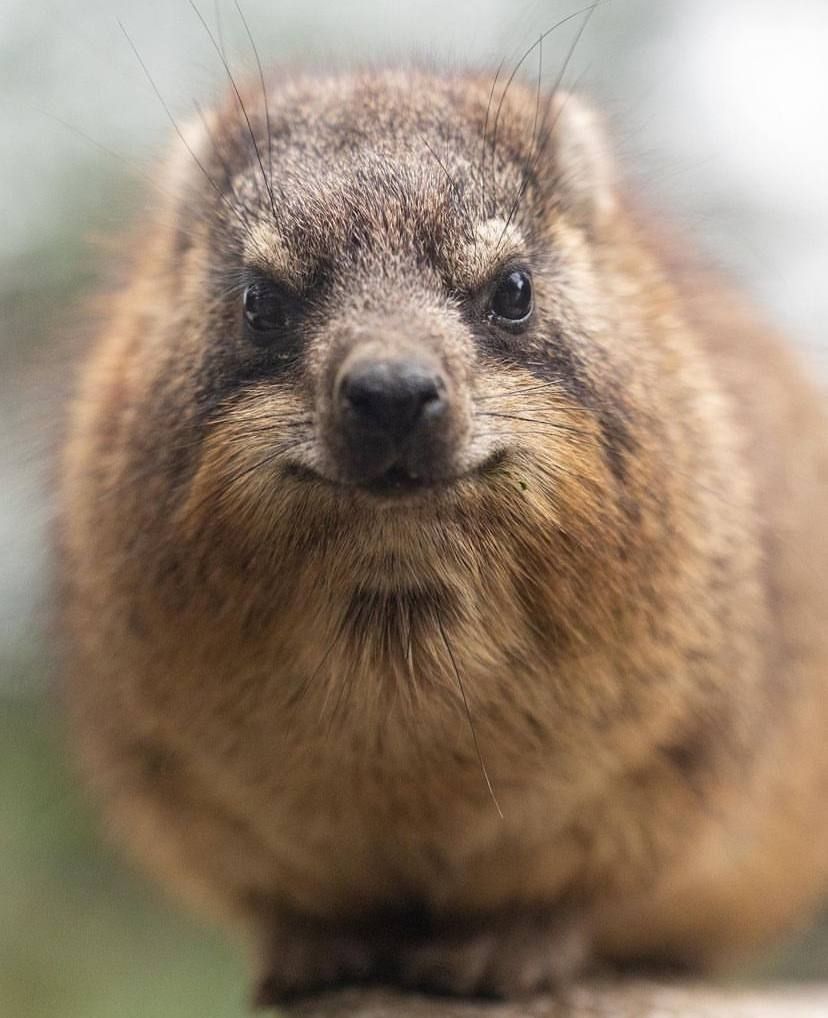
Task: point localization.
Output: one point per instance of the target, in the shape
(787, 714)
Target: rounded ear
(191, 142)
(583, 163)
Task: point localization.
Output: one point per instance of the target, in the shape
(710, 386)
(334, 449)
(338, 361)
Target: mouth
(398, 482)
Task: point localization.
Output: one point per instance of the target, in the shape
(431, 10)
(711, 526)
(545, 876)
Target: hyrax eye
(511, 301)
(265, 311)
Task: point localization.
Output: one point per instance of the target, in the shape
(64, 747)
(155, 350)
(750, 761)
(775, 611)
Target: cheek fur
(244, 452)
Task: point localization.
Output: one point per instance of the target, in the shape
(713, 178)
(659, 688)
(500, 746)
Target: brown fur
(624, 571)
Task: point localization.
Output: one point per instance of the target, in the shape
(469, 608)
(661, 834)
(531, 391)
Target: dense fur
(619, 566)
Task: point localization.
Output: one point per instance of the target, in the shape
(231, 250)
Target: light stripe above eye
(265, 250)
(471, 262)
(494, 243)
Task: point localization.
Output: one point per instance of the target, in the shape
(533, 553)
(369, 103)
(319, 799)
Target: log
(626, 999)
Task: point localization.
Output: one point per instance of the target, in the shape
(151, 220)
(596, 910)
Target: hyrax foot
(506, 958)
(300, 963)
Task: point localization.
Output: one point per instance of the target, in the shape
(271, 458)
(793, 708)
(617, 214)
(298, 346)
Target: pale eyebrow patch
(264, 249)
(494, 242)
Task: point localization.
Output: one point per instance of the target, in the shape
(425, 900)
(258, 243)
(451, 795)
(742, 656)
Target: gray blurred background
(718, 109)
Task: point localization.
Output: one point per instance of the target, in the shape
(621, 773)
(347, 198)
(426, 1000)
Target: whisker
(558, 411)
(443, 167)
(264, 99)
(527, 431)
(522, 391)
(532, 162)
(239, 475)
(235, 88)
(219, 30)
(485, 137)
(407, 643)
(558, 467)
(300, 693)
(520, 63)
(259, 430)
(228, 176)
(537, 399)
(551, 425)
(462, 689)
(588, 11)
(343, 691)
(137, 476)
(133, 166)
(222, 196)
(346, 680)
(539, 88)
(272, 422)
(524, 183)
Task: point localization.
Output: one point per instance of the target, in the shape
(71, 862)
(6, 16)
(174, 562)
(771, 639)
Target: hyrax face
(393, 308)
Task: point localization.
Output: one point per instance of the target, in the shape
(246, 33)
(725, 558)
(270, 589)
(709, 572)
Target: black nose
(392, 396)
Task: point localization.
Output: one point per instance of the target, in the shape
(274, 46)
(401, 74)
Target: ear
(190, 143)
(583, 163)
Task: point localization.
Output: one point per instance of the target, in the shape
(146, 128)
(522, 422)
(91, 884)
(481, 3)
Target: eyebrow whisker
(243, 108)
(264, 99)
(222, 196)
(520, 63)
(539, 143)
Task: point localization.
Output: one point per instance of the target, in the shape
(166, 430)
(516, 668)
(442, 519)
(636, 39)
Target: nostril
(392, 396)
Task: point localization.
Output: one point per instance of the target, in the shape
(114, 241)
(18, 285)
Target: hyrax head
(395, 290)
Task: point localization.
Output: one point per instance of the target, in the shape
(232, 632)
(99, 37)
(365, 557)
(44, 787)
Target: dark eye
(512, 300)
(265, 311)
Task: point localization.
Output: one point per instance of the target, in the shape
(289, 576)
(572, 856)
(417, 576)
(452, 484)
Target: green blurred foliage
(80, 936)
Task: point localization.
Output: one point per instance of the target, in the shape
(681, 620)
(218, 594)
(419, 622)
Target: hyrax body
(444, 561)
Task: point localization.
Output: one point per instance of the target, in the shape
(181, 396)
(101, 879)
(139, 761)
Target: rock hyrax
(444, 553)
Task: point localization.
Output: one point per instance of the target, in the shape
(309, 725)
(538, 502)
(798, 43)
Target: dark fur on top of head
(577, 561)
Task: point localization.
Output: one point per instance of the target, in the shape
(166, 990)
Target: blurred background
(718, 109)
